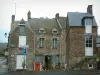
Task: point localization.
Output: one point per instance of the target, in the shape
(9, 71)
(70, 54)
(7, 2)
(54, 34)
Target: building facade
(68, 42)
(81, 40)
(36, 40)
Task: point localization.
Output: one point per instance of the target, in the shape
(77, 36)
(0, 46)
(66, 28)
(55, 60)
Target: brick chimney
(89, 9)
(57, 16)
(13, 18)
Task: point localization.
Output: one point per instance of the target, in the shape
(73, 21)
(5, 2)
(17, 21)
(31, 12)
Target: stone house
(81, 33)
(37, 40)
(54, 42)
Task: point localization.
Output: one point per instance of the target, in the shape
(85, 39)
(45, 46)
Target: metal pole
(15, 7)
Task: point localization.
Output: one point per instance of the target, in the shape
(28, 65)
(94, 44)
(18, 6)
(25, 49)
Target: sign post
(24, 61)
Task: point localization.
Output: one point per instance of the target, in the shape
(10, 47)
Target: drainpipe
(34, 48)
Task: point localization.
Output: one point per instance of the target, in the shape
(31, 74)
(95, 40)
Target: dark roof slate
(76, 17)
(62, 21)
(47, 24)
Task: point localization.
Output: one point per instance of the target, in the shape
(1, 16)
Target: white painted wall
(22, 41)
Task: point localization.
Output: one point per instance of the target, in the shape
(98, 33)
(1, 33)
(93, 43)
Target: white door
(19, 61)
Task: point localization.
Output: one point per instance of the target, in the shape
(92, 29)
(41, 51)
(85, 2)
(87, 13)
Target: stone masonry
(76, 44)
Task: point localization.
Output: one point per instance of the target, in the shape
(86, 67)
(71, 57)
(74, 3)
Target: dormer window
(88, 21)
(54, 31)
(22, 27)
(41, 31)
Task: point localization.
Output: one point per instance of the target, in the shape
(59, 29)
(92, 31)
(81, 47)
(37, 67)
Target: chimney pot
(29, 15)
(57, 16)
(13, 18)
(89, 9)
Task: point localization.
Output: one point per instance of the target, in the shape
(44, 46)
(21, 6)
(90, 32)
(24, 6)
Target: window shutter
(22, 41)
(88, 29)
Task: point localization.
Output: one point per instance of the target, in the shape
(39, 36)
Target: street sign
(24, 46)
(24, 51)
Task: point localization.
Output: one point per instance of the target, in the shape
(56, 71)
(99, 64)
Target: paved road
(56, 73)
(3, 65)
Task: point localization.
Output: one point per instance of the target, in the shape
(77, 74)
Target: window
(88, 45)
(88, 29)
(55, 43)
(41, 42)
(88, 21)
(22, 30)
(88, 41)
(57, 60)
(41, 30)
(88, 25)
(90, 66)
(54, 31)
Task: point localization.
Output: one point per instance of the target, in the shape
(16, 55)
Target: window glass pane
(54, 32)
(90, 45)
(55, 42)
(90, 41)
(86, 45)
(87, 40)
(22, 30)
(41, 31)
(41, 42)
(90, 65)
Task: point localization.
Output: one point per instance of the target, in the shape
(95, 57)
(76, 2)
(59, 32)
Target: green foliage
(2, 55)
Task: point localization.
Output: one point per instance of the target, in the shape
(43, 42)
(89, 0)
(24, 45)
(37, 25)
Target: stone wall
(76, 44)
(15, 50)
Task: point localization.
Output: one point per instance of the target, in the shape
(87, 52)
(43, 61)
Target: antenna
(15, 7)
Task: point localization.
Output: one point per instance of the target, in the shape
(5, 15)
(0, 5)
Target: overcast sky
(42, 8)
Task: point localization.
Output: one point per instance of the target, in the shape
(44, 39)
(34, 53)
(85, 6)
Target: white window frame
(53, 31)
(87, 20)
(87, 49)
(87, 38)
(41, 42)
(41, 31)
(90, 67)
(54, 44)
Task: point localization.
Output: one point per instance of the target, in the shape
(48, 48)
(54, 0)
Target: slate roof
(47, 24)
(35, 24)
(76, 17)
(15, 25)
(62, 21)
